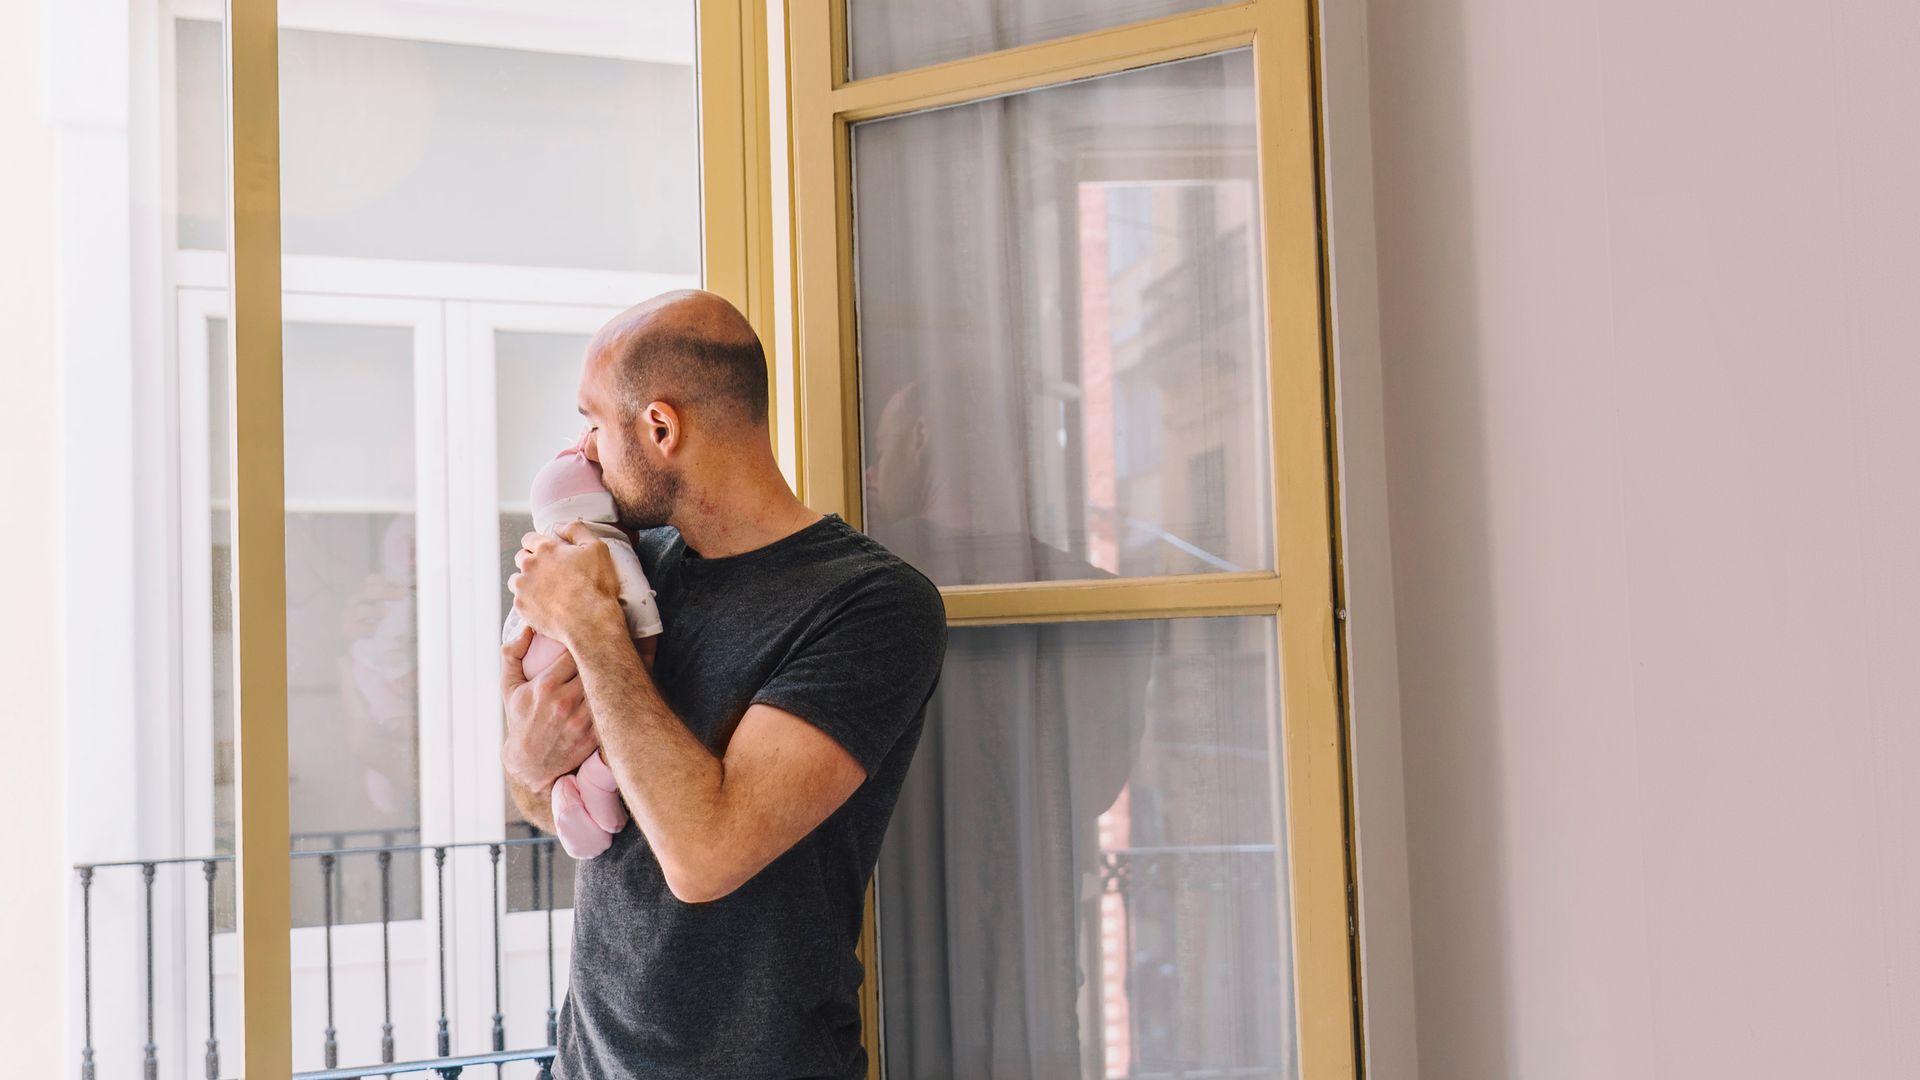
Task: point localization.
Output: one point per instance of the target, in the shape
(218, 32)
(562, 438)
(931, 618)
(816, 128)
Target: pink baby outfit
(587, 811)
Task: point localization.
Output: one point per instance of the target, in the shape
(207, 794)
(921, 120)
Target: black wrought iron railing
(544, 852)
(1167, 896)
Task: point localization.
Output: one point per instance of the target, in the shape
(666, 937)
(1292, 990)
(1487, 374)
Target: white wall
(34, 889)
(1649, 295)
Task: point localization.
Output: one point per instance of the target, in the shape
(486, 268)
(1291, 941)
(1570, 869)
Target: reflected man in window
(991, 880)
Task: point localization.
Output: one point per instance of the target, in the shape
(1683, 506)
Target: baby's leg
(579, 834)
(601, 793)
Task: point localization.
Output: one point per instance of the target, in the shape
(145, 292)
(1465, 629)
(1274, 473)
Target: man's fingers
(512, 674)
(516, 649)
(576, 532)
(561, 673)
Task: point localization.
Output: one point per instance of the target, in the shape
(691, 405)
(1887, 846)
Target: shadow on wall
(1438, 469)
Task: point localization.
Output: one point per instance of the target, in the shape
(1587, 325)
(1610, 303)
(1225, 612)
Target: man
(761, 758)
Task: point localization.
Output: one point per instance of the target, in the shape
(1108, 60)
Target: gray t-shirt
(763, 983)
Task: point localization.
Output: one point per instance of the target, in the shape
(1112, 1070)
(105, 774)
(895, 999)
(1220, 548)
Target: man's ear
(919, 440)
(660, 425)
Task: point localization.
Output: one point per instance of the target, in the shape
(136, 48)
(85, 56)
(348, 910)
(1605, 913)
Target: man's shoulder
(868, 571)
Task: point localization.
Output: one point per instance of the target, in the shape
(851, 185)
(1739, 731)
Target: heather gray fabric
(762, 983)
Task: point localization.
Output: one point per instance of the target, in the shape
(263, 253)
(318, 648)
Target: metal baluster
(332, 1047)
(153, 1060)
(535, 850)
(86, 972)
(213, 1040)
(499, 1025)
(386, 954)
(1127, 972)
(440, 897)
(338, 842)
(553, 1022)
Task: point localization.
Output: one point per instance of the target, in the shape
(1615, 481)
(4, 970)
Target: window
(1058, 334)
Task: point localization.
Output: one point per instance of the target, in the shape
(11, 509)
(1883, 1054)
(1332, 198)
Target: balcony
(1140, 887)
(202, 874)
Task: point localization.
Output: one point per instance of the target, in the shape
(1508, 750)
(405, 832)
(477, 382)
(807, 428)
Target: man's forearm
(672, 783)
(535, 806)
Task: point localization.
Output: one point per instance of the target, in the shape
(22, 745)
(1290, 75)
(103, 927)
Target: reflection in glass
(537, 376)
(1084, 875)
(1062, 370)
(352, 627)
(893, 35)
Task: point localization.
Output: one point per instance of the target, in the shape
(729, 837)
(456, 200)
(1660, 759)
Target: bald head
(691, 349)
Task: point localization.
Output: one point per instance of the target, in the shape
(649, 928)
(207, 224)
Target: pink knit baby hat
(570, 487)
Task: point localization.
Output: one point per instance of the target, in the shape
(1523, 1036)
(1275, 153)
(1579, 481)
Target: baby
(587, 812)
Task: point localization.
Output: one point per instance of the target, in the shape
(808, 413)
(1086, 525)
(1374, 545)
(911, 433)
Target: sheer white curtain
(991, 873)
(986, 868)
(1058, 319)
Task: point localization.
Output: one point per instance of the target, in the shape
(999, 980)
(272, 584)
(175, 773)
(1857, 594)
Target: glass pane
(398, 149)
(352, 629)
(535, 378)
(893, 35)
(1062, 367)
(1084, 875)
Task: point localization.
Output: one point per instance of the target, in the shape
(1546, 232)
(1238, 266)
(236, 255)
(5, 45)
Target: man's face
(644, 487)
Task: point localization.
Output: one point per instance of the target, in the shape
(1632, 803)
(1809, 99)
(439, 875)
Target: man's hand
(549, 727)
(566, 584)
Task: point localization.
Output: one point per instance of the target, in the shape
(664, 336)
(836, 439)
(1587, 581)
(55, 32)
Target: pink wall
(35, 886)
(1649, 296)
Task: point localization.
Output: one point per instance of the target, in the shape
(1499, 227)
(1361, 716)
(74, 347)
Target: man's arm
(536, 807)
(713, 822)
(549, 730)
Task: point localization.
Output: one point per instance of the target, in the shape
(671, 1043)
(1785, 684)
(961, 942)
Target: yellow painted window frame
(262, 867)
(1300, 592)
(736, 260)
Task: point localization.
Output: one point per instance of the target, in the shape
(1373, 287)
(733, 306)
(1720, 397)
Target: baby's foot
(579, 835)
(601, 793)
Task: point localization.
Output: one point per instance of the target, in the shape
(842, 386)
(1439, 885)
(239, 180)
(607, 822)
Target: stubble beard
(645, 497)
